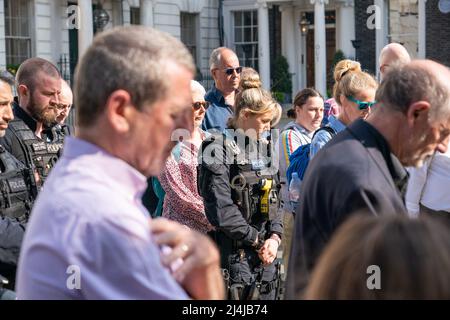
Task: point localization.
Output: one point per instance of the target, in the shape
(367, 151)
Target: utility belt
(20, 213)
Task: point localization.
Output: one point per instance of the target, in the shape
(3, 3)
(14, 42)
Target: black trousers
(249, 279)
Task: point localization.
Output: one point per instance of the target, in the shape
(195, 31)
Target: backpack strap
(328, 129)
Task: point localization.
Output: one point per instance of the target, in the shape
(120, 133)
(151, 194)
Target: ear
(119, 110)
(245, 114)
(213, 73)
(418, 113)
(23, 90)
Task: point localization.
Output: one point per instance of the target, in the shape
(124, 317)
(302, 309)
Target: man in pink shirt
(89, 236)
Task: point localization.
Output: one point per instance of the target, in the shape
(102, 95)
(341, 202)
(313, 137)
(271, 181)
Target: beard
(44, 114)
(2, 133)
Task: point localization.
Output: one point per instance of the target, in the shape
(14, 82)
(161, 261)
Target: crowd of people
(164, 190)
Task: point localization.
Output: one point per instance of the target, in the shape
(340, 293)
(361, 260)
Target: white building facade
(310, 31)
(305, 50)
(59, 30)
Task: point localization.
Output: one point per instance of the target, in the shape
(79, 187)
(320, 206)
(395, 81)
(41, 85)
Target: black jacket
(221, 208)
(355, 171)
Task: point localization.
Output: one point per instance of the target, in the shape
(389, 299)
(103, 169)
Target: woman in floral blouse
(182, 202)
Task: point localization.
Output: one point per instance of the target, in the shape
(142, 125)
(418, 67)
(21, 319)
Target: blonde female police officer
(238, 180)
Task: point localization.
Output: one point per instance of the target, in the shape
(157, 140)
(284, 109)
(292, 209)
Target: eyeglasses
(199, 104)
(361, 104)
(62, 106)
(229, 71)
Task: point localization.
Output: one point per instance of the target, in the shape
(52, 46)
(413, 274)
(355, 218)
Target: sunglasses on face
(198, 105)
(361, 104)
(229, 71)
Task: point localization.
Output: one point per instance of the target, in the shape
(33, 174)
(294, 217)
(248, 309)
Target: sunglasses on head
(361, 104)
(198, 105)
(229, 71)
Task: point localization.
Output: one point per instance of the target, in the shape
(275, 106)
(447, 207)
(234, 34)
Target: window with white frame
(188, 25)
(246, 37)
(17, 31)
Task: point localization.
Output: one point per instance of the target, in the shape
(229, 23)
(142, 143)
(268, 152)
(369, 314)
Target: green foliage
(338, 56)
(282, 79)
(279, 96)
(12, 68)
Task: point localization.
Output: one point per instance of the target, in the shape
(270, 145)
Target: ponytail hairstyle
(254, 99)
(351, 80)
(301, 98)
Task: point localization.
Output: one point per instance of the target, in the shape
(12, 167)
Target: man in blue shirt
(225, 70)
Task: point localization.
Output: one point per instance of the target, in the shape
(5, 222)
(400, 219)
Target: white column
(56, 31)
(422, 29)
(263, 44)
(288, 26)
(300, 48)
(2, 36)
(345, 29)
(117, 13)
(86, 31)
(320, 50)
(381, 31)
(146, 12)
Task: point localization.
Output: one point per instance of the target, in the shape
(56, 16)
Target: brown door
(331, 50)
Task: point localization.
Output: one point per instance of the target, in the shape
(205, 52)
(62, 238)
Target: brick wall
(366, 52)
(437, 33)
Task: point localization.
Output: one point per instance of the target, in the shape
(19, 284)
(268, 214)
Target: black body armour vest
(40, 153)
(17, 187)
(255, 191)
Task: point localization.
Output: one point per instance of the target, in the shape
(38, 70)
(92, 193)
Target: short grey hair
(405, 84)
(216, 58)
(8, 78)
(132, 58)
(197, 87)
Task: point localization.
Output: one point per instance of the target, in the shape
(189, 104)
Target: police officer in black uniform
(240, 186)
(17, 187)
(30, 136)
